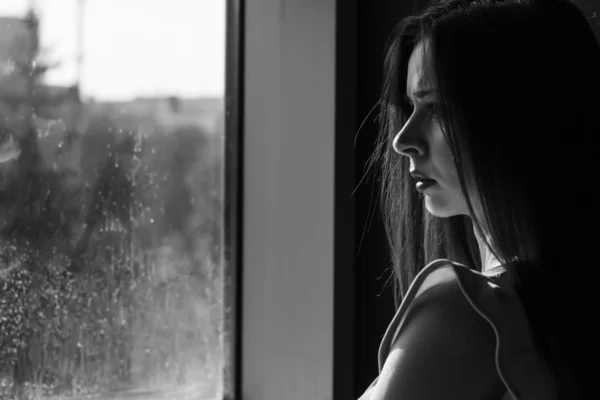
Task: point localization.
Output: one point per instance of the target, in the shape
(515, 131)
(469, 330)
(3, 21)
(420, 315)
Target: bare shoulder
(444, 349)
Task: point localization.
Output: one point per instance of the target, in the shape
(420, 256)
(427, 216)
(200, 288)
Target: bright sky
(135, 47)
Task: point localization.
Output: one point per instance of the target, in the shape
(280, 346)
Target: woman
(488, 124)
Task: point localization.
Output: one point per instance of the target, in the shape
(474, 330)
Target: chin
(441, 209)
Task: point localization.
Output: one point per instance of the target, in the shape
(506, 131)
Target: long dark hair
(518, 82)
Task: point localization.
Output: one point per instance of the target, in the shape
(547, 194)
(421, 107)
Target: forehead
(418, 71)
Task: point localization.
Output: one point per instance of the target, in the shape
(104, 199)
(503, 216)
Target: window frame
(233, 200)
(290, 291)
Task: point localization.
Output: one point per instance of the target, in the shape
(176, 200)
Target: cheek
(449, 200)
(444, 163)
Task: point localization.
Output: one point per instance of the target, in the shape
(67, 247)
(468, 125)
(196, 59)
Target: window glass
(111, 198)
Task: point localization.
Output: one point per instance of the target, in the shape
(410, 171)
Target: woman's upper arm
(445, 350)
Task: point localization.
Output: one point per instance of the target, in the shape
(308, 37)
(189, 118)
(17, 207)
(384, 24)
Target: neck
(488, 260)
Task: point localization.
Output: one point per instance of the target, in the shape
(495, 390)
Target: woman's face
(422, 141)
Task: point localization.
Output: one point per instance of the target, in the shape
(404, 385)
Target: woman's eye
(432, 107)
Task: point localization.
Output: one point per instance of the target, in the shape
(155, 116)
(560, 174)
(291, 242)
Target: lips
(424, 180)
(419, 177)
(422, 186)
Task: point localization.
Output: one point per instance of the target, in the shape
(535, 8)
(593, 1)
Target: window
(112, 143)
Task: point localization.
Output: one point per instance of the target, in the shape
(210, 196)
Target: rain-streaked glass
(111, 198)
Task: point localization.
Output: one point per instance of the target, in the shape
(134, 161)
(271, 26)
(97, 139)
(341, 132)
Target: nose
(409, 141)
